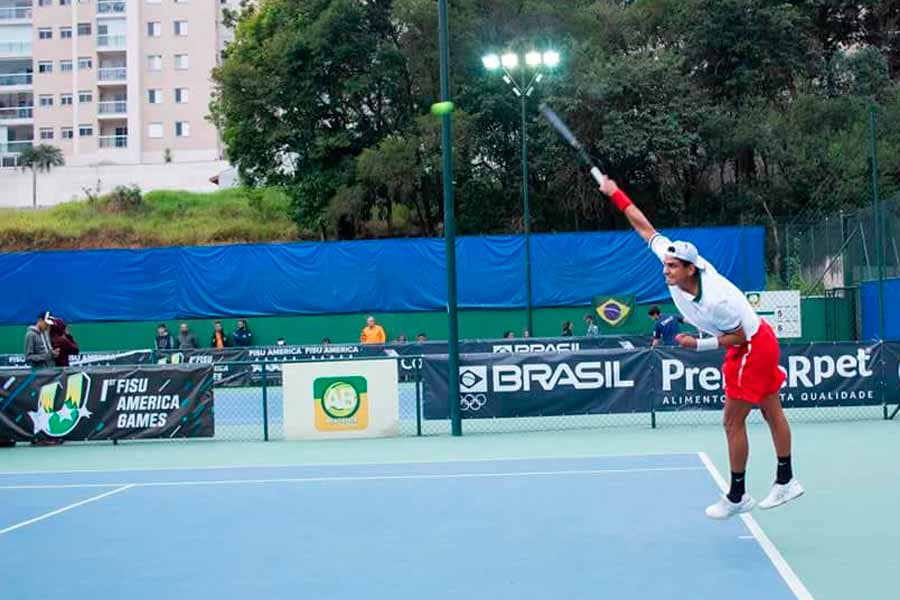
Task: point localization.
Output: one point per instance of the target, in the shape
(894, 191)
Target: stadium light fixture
(491, 62)
(533, 59)
(509, 60)
(551, 59)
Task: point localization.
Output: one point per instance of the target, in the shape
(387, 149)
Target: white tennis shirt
(719, 307)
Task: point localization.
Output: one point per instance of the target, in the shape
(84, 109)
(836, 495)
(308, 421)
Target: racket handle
(597, 175)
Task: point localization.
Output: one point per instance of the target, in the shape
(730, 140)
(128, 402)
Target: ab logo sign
(341, 403)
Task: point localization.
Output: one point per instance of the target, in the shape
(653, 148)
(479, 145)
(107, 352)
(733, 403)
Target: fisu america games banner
(102, 403)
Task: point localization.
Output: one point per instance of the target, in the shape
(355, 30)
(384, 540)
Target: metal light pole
(523, 88)
(449, 226)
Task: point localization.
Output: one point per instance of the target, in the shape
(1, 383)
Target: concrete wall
(67, 183)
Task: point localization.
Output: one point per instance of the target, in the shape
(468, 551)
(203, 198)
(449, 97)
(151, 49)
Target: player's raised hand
(609, 186)
(686, 341)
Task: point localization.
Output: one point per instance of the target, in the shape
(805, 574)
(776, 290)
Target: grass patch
(160, 218)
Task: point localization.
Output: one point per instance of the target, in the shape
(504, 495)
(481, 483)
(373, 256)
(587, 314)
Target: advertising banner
(125, 357)
(100, 403)
(531, 385)
(338, 399)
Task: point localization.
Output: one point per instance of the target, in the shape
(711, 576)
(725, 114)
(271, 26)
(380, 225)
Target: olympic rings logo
(472, 402)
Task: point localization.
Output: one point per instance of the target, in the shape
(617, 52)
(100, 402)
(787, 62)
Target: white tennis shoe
(725, 508)
(781, 494)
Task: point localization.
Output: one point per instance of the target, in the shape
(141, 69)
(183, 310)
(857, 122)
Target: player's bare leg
(737, 500)
(786, 487)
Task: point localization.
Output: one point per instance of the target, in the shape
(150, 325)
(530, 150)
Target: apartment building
(110, 82)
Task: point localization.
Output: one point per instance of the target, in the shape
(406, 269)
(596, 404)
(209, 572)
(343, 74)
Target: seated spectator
(526, 333)
(280, 342)
(219, 338)
(62, 341)
(39, 352)
(509, 335)
(421, 337)
(242, 336)
(567, 329)
(401, 339)
(592, 329)
(186, 339)
(372, 333)
(163, 340)
(325, 341)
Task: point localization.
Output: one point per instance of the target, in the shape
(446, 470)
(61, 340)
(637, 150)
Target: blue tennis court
(606, 526)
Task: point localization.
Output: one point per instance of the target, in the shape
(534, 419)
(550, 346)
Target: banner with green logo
(613, 310)
(101, 403)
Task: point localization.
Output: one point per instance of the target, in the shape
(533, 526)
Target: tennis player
(714, 305)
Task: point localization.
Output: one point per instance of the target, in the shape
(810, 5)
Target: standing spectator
(372, 333)
(567, 330)
(326, 341)
(242, 336)
(163, 339)
(280, 342)
(39, 352)
(509, 335)
(219, 338)
(62, 341)
(526, 333)
(666, 327)
(421, 337)
(186, 339)
(401, 339)
(592, 329)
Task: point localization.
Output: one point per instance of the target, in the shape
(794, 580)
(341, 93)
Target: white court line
(64, 509)
(781, 565)
(345, 464)
(348, 478)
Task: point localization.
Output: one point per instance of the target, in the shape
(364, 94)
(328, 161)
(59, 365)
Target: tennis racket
(570, 138)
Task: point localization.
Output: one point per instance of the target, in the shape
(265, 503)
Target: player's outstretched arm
(634, 215)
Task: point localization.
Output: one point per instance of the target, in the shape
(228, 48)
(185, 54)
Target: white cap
(685, 251)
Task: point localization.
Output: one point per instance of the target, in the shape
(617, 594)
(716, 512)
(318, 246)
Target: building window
(46, 133)
(66, 133)
(182, 129)
(45, 66)
(85, 130)
(181, 27)
(45, 33)
(65, 99)
(155, 96)
(65, 66)
(46, 100)
(181, 95)
(65, 2)
(65, 33)
(85, 97)
(181, 62)
(154, 29)
(154, 62)
(84, 29)
(155, 130)
(45, 2)
(85, 63)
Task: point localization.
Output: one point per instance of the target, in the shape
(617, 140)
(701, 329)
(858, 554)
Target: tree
(41, 158)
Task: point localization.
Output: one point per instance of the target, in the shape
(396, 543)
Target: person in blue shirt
(666, 327)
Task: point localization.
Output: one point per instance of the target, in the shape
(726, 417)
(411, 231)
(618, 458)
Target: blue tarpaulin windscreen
(871, 319)
(397, 275)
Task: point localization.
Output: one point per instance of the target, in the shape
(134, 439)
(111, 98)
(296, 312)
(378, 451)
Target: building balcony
(112, 141)
(15, 147)
(111, 42)
(114, 7)
(15, 79)
(111, 74)
(8, 49)
(15, 13)
(112, 108)
(17, 113)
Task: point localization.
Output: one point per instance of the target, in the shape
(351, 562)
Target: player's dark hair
(654, 311)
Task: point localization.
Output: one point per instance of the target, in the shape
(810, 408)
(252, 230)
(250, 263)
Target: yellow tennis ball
(442, 108)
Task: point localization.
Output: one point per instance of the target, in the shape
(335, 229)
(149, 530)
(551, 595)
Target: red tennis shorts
(751, 369)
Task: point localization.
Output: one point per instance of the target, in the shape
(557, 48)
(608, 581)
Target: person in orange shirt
(372, 333)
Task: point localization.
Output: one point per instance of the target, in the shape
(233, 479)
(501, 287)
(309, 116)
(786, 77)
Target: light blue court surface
(599, 527)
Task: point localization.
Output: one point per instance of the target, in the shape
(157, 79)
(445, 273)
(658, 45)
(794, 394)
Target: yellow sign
(341, 403)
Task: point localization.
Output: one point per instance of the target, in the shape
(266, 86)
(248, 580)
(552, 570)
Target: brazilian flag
(614, 310)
